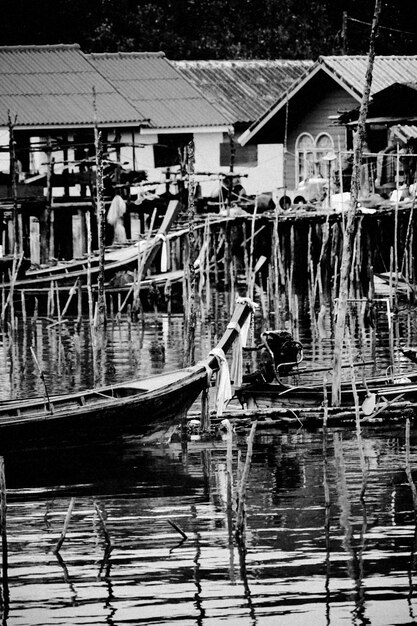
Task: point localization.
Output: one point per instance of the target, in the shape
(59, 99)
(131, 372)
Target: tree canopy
(213, 29)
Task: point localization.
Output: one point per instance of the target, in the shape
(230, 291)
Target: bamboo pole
(101, 297)
(408, 465)
(3, 530)
(72, 292)
(12, 150)
(23, 301)
(89, 286)
(364, 468)
(229, 495)
(35, 311)
(79, 304)
(240, 517)
(191, 315)
(397, 202)
(65, 528)
(141, 266)
(205, 422)
(207, 276)
(10, 296)
(45, 252)
(326, 489)
(251, 253)
(359, 139)
(58, 304)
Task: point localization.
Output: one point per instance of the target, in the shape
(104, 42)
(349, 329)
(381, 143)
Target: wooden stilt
(205, 422)
(3, 530)
(23, 301)
(65, 528)
(240, 517)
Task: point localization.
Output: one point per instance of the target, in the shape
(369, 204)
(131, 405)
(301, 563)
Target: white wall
(268, 174)
(207, 152)
(4, 156)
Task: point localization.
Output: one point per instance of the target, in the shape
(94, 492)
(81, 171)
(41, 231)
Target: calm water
(314, 554)
(133, 350)
(304, 562)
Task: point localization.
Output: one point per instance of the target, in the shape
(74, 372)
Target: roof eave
(164, 130)
(385, 120)
(320, 65)
(133, 123)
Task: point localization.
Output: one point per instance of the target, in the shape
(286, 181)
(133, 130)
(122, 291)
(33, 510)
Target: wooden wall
(309, 111)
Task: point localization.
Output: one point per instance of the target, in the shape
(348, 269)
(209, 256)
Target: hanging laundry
(115, 218)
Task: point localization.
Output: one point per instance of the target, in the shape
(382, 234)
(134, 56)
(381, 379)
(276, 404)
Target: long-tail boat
(270, 388)
(67, 272)
(142, 407)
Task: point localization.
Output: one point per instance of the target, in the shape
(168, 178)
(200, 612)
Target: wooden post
(240, 517)
(65, 528)
(13, 162)
(89, 287)
(101, 298)
(227, 255)
(35, 310)
(205, 422)
(408, 465)
(168, 296)
(45, 230)
(77, 235)
(23, 301)
(343, 35)
(3, 529)
(58, 304)
(191, 317)
(357, 417)
(397, 201)
(251, 282)
(350, 221)
(34, 240)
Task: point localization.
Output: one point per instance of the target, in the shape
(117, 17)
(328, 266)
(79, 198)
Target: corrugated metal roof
(387, 70)
(158, 90)
(404, 132)
(53, 85)
(348, 70)
(244, 89)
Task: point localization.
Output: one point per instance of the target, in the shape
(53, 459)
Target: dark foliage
(215, 29)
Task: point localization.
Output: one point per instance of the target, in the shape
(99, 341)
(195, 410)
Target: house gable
(349, 72)
(309, 112)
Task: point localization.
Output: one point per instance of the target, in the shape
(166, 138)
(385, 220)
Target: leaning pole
(349, 231)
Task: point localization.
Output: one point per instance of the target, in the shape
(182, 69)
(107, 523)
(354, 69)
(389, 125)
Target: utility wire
(395, 30)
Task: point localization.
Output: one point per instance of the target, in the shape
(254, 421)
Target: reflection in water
(311, 552)
(327, 521)
(412, 564)
(131, 350)
(355, 554)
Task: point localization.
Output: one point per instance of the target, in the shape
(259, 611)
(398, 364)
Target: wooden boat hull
(67, 273)
(147, 407)
(264, 396)
(142, 408)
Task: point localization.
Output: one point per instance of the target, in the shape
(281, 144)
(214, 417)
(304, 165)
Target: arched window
(324, 145)
(309, 153)
(304, 156)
